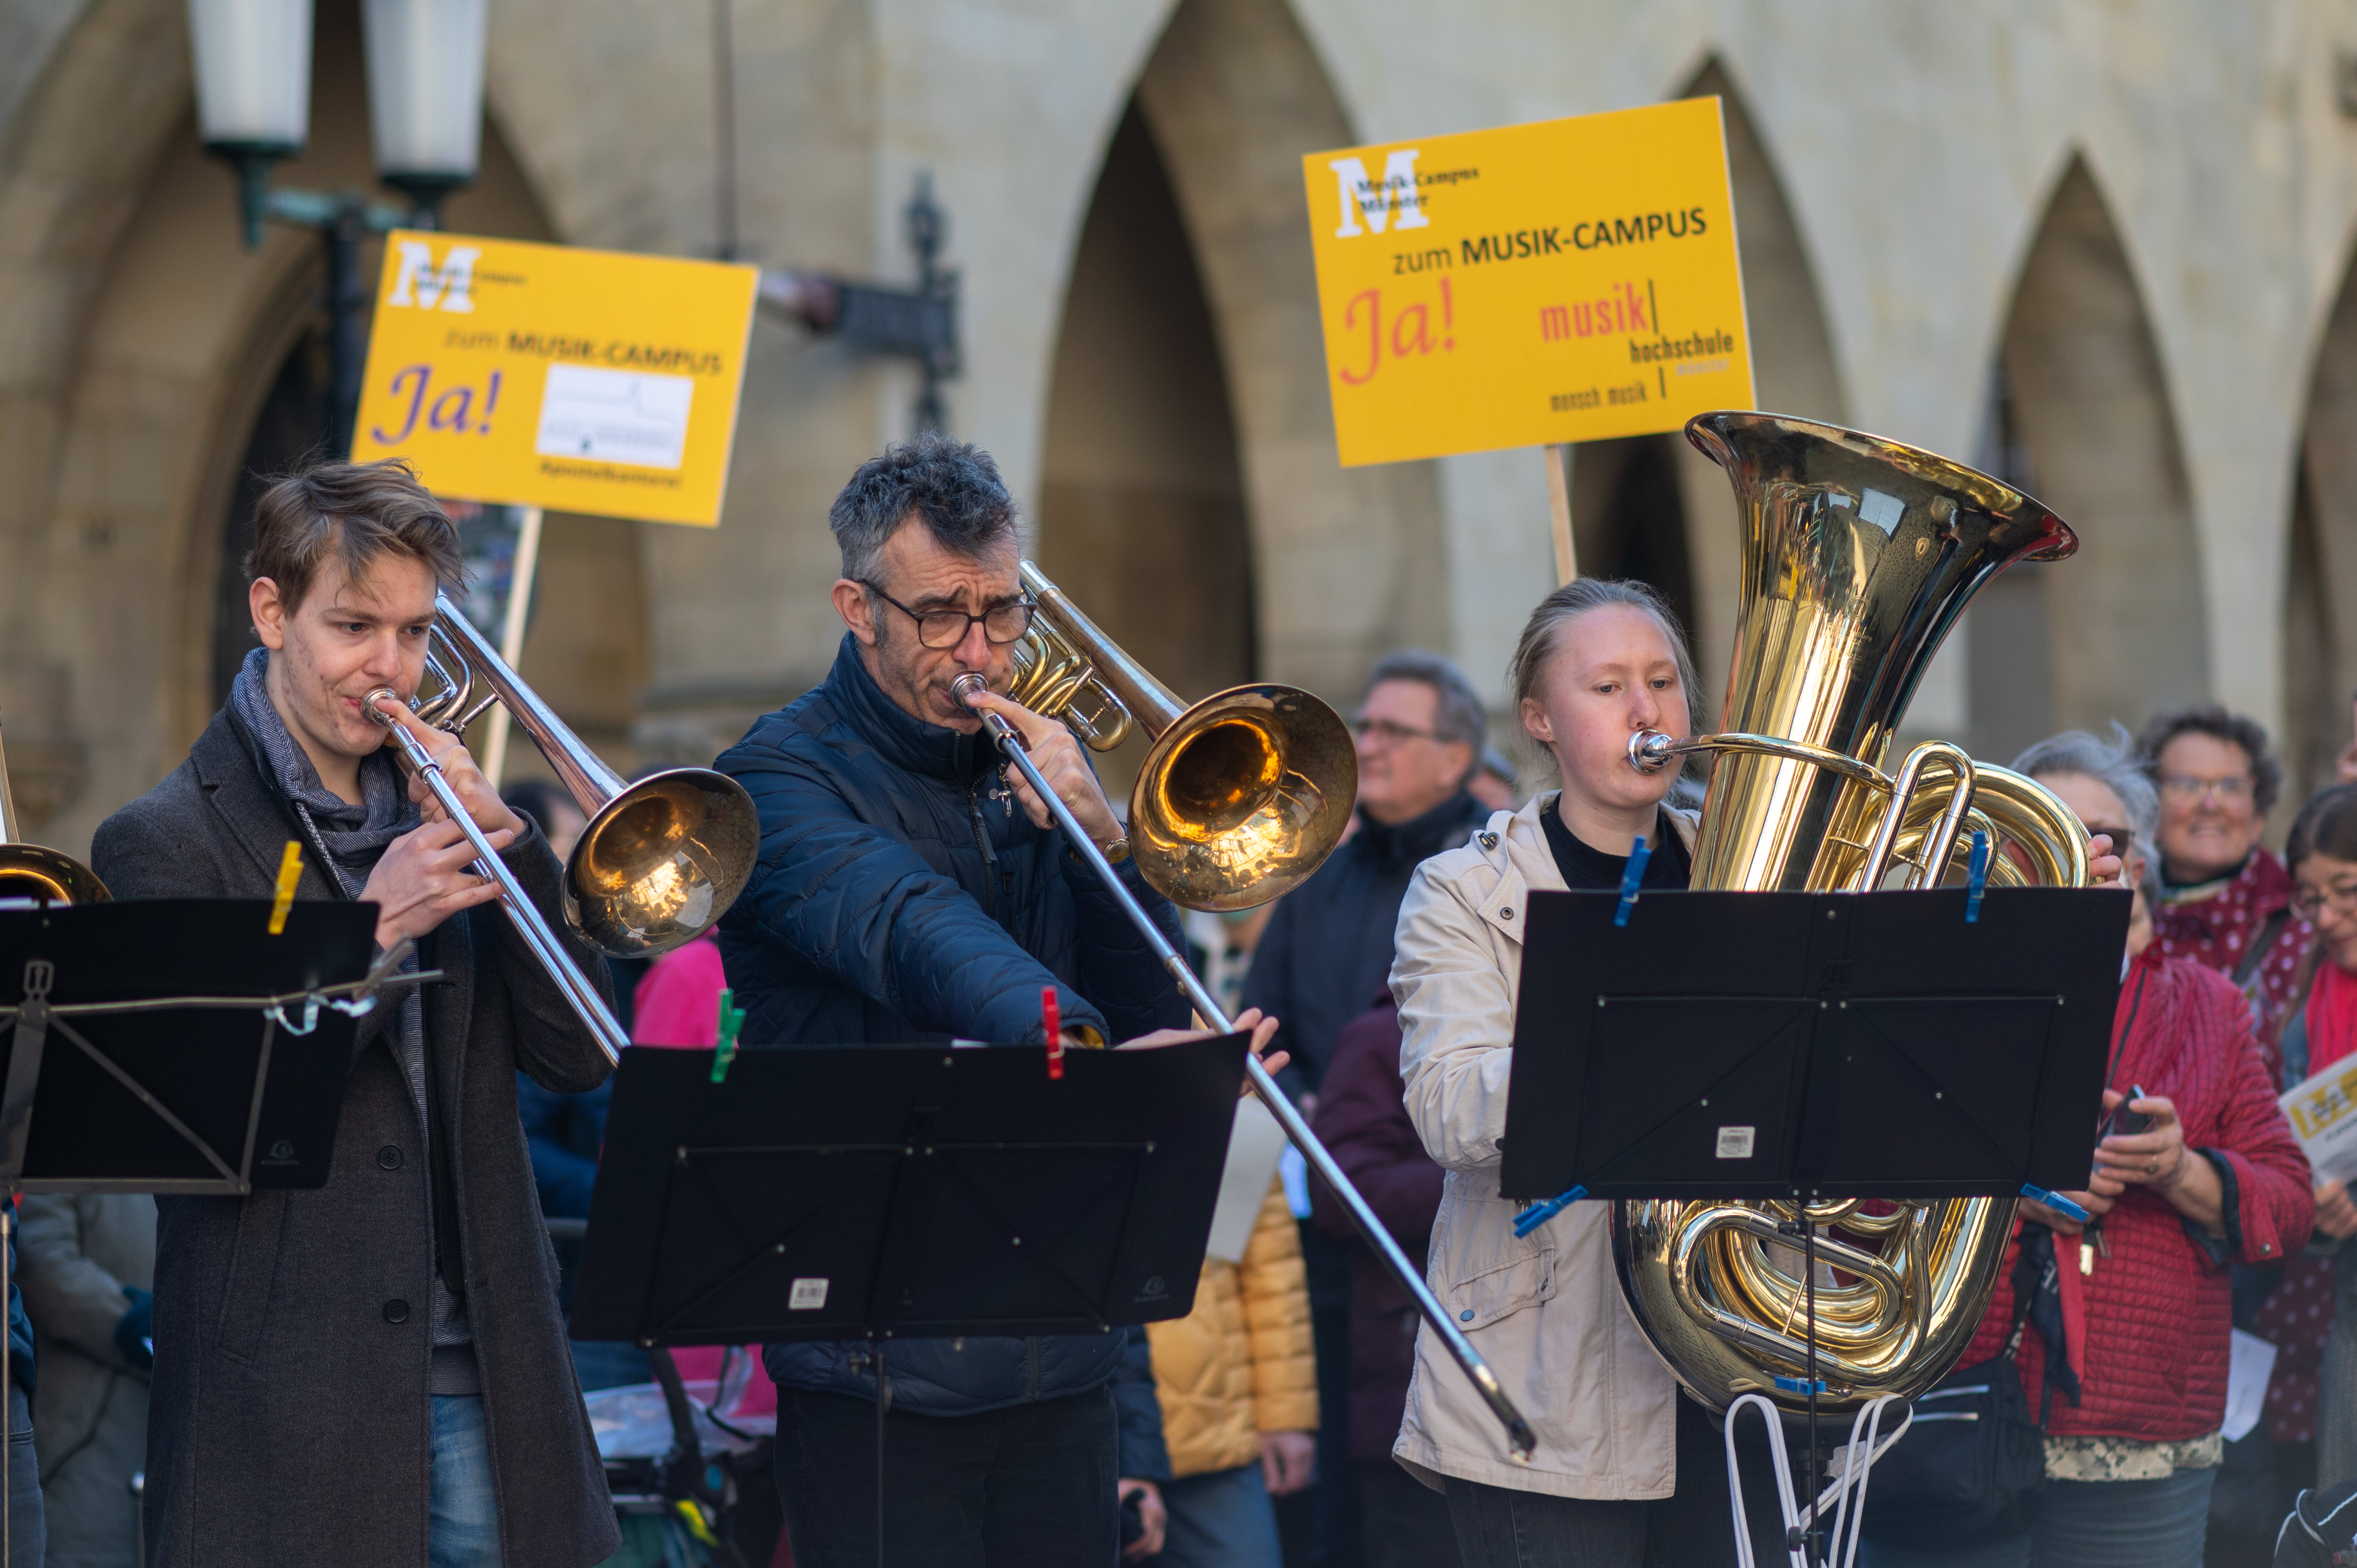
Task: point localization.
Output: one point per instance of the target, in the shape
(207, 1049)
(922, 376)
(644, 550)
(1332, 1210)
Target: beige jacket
(1545, 1309)
(1242, 1362)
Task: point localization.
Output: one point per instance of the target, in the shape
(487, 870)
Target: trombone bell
(1243, 794)
(661, 860)
(1243, 798)
(30, 871)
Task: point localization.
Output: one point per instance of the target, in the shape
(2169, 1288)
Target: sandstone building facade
(2104, 247)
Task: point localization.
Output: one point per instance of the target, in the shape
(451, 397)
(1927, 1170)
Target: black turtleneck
(1326, 955)
(1583, 866)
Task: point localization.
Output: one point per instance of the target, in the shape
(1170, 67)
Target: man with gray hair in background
(1327, 958)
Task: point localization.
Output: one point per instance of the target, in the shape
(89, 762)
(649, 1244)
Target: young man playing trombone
(375, 1372)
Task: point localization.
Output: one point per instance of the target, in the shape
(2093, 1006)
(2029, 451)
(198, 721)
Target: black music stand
(173, 1046)
(1780, 1045)
(1936, 1044)
(917, 1191)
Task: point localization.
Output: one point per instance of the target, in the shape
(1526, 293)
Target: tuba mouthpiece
(1650, 750)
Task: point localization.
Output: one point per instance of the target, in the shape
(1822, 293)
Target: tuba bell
(1858, 554)
(30, 871)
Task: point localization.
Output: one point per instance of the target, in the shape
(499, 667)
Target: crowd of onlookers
(1274, 1432)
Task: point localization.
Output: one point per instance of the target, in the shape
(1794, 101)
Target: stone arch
(1141, 495)
(2083, 404)
(88, 120)
(1346, 563)
(169, 341)
(2320, 619)
(1651, 506)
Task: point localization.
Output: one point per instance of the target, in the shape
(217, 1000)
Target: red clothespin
(1051, 1020)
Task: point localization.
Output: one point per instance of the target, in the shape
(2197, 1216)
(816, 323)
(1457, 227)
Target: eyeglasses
(2186, 786)
(1389, 733)
(2308, 903)
(1002, 624)
(2123, 839)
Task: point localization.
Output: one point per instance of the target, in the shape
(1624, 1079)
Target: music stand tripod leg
(883, 1400)
(7, 1348)
(28, 1039)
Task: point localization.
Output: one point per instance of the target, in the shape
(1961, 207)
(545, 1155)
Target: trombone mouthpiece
(1650, 750)
(966, 685)
(369, 704)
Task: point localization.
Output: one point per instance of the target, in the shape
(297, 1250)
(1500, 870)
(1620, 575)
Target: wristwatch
(1117, 851)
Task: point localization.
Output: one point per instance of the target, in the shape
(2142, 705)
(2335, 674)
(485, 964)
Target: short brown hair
(356, 513)
(2266, 773)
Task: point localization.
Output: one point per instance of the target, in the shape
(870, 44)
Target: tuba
(30, 871)
(1858, 554)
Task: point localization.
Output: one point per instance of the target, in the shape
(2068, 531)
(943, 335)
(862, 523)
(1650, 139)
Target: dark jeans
(1028, 1487)
(1220, 1518)
(2085, 1524)
(28, 1538)
(1326, 1264)
(1693, 1527)
(1406, 1523)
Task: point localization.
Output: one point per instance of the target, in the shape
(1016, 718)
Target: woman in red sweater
(2132, 1410)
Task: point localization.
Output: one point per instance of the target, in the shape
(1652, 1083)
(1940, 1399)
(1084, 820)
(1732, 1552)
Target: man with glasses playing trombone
(910, 890)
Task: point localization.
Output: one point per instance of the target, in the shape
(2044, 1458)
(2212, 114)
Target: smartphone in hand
(2123, 1120)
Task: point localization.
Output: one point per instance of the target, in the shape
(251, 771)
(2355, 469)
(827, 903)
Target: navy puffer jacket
(902, 897)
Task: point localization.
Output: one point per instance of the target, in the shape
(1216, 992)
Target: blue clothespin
(1539, 1213)
(1799, 1385)
(2055, 1201)
(1630, 880)
(1976, 877)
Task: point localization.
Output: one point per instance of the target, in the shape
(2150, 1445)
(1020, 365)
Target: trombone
(660, 862)
(1242, 797)
(30, 871)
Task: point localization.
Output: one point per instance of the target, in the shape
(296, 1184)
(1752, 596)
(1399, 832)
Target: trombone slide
(1521, 1442)
(611, 1037)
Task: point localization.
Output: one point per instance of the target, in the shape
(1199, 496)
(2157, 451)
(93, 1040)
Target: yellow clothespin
(290, 872)
(691, 1513)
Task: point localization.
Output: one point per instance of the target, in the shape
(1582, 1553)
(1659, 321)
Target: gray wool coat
(290, 1421)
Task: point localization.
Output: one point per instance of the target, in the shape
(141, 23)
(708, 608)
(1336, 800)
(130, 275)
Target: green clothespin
(732, 1019)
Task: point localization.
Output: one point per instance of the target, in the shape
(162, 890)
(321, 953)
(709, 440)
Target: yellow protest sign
(541, 375)
(1566, 281)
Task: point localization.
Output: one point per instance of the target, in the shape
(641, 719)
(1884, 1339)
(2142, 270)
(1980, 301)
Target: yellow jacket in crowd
(1241, 1363)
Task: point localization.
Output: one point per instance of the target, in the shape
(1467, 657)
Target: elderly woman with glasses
(2125, 1358)
(2225, 901)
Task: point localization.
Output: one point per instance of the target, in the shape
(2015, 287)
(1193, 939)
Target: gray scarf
(354, 838)
(354, 835)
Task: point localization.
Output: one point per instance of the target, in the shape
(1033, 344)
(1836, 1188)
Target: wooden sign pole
(1558, 472)
(526, 565)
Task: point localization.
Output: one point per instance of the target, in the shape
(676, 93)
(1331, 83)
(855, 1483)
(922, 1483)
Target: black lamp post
(425, 114)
